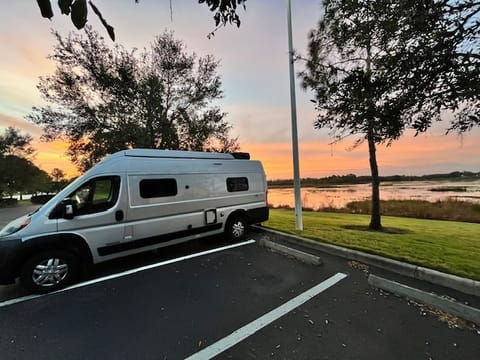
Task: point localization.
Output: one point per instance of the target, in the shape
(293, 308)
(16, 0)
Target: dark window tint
(153, 188)
(237, 184)
(95, 196)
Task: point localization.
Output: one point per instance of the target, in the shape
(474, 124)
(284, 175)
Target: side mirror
(68, 213)
(68, 209)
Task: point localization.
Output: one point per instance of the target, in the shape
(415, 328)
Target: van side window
(96, 195)
(154, 188)
(237, 184)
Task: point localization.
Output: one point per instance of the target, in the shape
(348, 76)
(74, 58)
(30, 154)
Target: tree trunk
(375, 217)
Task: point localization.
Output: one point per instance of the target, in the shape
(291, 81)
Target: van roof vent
(241, 155)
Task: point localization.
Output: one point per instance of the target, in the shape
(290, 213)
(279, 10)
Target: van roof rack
(154, 153)
(180, 154)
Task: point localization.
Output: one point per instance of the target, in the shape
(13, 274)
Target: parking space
(206, 295)
(166, 312)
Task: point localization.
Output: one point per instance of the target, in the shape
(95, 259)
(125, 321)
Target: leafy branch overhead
(225, 12)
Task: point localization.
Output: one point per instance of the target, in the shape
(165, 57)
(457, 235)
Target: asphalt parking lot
(181, 308)
(210, 299)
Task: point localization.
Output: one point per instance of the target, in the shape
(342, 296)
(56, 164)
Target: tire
(236, 228)
(49, 271)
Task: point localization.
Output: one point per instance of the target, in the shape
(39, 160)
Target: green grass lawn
(448, 246)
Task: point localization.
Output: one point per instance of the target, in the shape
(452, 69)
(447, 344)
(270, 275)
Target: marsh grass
(441, 210)
(449, 189)
(454, 210)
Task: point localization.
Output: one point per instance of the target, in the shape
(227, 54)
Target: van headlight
(15, 226)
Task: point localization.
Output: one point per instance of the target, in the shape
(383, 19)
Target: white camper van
(133, 201)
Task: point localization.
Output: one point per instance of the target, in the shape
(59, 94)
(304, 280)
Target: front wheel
(49, 271)
(236, 228)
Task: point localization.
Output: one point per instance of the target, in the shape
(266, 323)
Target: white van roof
(152, 153)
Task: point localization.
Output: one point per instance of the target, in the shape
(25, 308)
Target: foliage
(17, 173)
(379, 67)
(58, 179)
(20, 175)
(437, 68)
(452, 210)
(346, 72)
(447, 246)
(40, 199)
(225, 12)
(57, 175)
(12, 142)
(109, 99)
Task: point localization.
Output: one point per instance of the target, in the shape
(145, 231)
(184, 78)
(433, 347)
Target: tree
(379, 67)
(225, 12)
(58, 179)
(108, 99)
(15, 168)
(20, 175)
(12, 142)
(439, 62)
(57, 175)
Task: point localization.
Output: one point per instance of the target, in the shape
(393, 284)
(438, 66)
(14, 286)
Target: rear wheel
(236, 228)
(49, 271)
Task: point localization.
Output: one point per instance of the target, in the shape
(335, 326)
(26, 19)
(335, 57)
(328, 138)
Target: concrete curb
(460, 310)
(467, 286)
(299, 255)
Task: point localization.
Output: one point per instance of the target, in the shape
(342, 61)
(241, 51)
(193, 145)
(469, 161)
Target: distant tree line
(352, 179)
(18, 174)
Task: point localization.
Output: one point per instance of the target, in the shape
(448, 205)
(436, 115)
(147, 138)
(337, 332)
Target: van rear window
(237, 184)
(154, 188)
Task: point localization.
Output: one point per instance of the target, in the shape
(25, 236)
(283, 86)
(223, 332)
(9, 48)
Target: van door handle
(119, 215)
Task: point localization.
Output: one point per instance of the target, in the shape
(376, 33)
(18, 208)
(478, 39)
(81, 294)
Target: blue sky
(254, 71)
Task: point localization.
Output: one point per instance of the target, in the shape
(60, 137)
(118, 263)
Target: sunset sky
(254, 71)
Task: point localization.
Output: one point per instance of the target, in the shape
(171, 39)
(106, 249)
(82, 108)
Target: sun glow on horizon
(319, 159)
(50, 155)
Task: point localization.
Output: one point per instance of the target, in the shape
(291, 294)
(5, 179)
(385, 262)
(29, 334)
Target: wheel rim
(50, 272)
(238, 229)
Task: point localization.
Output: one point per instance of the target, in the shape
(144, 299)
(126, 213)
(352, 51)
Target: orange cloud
(51, 155)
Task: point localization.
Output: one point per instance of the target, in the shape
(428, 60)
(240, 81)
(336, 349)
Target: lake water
(339, 196)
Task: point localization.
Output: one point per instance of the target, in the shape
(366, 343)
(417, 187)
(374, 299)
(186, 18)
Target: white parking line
(251, 328)
(128, 272)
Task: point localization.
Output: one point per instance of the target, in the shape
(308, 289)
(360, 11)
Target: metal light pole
(293, 106)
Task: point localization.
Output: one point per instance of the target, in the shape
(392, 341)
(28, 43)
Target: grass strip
(448, 246)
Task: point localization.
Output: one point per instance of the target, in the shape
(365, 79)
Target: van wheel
(236, 228)
(49, 271)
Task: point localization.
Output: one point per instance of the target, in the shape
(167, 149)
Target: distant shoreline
(352, 179)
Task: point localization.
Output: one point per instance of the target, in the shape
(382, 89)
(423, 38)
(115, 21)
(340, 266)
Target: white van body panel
(202, 191)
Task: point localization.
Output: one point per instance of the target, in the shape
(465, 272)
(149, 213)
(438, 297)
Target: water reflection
(339, 196)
